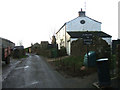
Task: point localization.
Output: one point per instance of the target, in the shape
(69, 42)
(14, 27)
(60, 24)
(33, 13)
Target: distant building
(44, 44)
(74, 29)
(36, 45)
(19, 47)
(5, 43)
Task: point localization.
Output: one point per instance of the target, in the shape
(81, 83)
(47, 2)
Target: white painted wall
(68, 43)
(68, 47)
(108, 40)
(90, 25)
(73, 39)
(61, 36)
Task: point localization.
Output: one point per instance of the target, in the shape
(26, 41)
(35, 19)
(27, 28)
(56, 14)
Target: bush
(71, 61)
(99, 45)
(44, 52)
(71, 66)
(113, 62)
(18, 53)
(62, 52)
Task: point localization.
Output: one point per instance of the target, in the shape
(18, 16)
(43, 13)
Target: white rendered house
(74, 29)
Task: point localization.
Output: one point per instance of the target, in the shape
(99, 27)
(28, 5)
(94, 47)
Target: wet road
(33, 72)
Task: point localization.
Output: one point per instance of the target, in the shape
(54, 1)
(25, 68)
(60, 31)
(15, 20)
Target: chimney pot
(81, 13)
(81, 9)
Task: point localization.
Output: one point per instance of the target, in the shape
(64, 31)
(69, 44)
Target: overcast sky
(30, 21)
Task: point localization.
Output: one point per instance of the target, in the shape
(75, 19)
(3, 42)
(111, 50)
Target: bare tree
(20, 43)
(52, 34)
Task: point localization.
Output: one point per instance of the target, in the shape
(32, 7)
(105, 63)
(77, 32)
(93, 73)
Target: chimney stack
(53, 40)
(81, 13)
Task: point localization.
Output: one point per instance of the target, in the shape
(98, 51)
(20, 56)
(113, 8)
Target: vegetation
(24, 56)
(44, 52)
(113, 61)
(113, 66)
(71, 61)
(48, 50)
(99, 45)
(71, 66)
(62, 52)
(18, 54)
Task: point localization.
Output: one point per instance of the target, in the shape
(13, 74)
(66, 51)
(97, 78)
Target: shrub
(99, 45)
(62, 52)
(18, 53)
(113, 62)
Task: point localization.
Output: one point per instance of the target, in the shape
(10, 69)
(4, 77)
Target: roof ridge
(72, 19)
(93, 19)
(107, 33)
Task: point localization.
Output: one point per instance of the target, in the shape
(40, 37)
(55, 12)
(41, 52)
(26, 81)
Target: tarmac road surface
(33, 72)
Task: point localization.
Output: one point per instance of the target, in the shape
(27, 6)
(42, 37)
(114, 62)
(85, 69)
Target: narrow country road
(33, 72)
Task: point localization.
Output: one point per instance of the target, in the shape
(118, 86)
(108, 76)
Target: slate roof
(95, 33)
(3, 39)
(94, 20)
(19, 47)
